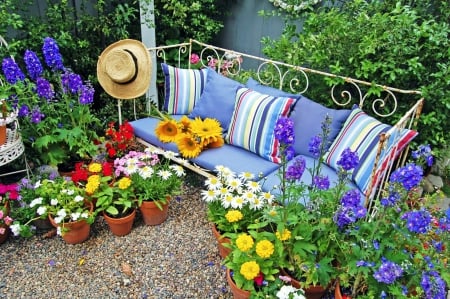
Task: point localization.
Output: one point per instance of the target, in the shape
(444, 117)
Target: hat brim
(136, 87)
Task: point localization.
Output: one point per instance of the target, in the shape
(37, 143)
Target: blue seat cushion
(273, 179)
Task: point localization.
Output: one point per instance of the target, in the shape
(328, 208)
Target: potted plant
(67, 207)
(118, 140)
(53, 106)
(155, 180)
(7, 193)
(233, 203)
(24, 208)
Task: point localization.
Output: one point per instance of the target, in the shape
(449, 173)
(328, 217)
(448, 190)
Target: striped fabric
(253, 122)
(361, 133)
(182, 88)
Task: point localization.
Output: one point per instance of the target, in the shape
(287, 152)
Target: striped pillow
(253, 122)
(183, 88)
(361, 133)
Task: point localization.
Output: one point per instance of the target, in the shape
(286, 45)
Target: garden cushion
(253, 122)
(255, 85)
(308, 117)
(183, 88)
(361, 133)
(217, 99)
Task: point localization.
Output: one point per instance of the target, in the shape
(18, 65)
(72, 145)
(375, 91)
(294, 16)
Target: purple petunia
(417, 221)
(433, 285)
(388, 272)
(33, 65)
(348, 160)
(12, 72)
(52, 55)
(321, 182)
(284, 130)
(409, 176)
(296, 169)
(315, 145)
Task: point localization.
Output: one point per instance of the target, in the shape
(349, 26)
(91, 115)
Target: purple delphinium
(348, 160)
(347, 215)
(388, 272)
(87, 95)
(433, 285)
(296, 169)
(71, 82)
(417, 221)
(36, 115)
(44, 89)
(351, 198)
(409, 176)
(423, 152)
(315, 145)
(12, 72)
(24, 111)
(284, 130)
(33, 65)
(321, 182)
(52, 55)
(392, 198)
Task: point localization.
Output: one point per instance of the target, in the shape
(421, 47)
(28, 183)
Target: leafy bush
(398, 43)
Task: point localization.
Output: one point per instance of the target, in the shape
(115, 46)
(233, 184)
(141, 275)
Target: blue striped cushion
(361, 133)
(253, 122)
(183, 88)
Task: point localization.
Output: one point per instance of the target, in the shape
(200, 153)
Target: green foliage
(402, 44)
(180, 20)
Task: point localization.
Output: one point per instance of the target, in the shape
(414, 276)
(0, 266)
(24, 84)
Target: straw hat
(124, 69)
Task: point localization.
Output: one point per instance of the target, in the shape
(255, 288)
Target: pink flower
(259, 279)
(194, 58)
(285, 278)
(212, 63)
(2, 230)
(8, 220)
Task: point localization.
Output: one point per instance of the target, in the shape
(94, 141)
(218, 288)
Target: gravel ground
(177, 259)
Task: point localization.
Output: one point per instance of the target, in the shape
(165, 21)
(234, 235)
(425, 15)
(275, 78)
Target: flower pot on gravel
(120, 226)
(152, 214)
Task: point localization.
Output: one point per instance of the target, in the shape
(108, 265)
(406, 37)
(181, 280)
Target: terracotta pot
(42, 224)
(120, 226)
(223, 251)
(237, 292)
(153, 215)
(337, 292)
(4, 237)
(2, 135)
(312, 292)
(74, 232)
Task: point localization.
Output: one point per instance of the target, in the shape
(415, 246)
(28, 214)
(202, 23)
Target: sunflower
(217, 143)
(208, 130)
(188, 146)
(185, 124)
(167, 130)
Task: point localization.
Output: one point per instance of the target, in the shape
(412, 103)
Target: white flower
(164, 174)
(15, 228)
(132, 166)
(179, 171)
(256, 203)
(287, 290)
(213, 183)
(268, 197)
(79, 198)
(146, 172)
(208, 195)
(169, 154)
(75, 216)
(237, 202)
(62, 213)
(234, 184)
(53, 201)
(246, 176)
(37, 184)
(227, 200)
(253, 186)
(41, 210)
(84, 215)
(36, 201)
(58, 219)
(70, 192)
(58, 230)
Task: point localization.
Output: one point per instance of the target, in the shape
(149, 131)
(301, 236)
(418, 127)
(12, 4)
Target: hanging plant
(294, 6)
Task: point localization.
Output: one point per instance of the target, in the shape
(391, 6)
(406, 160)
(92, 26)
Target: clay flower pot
(120, 226)
(312, 292)
(152, 214)
(237, 292)
(73, 232)
(223, 251)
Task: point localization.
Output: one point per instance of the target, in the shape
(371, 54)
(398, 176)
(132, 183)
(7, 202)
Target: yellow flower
(124, 183)
(233, 216)
(218, 142)
(264, 248)
(208, 130)
(286, 235)
(244, 242)
(92, 184)
(185, 124)
(95, 167)
(188, 146)
(167, 130)
(250, 270)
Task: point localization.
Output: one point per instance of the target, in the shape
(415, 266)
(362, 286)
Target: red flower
(112, 153)
(107, 168)
(259, 279)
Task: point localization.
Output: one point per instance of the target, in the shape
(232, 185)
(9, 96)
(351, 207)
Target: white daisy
(179, 171)
(246, 176)
(146, 172)
(254, 186)
(213, 183)
(208, 195)
(164, 174)
(238, 202)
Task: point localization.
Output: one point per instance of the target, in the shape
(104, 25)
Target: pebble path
(178, 259)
